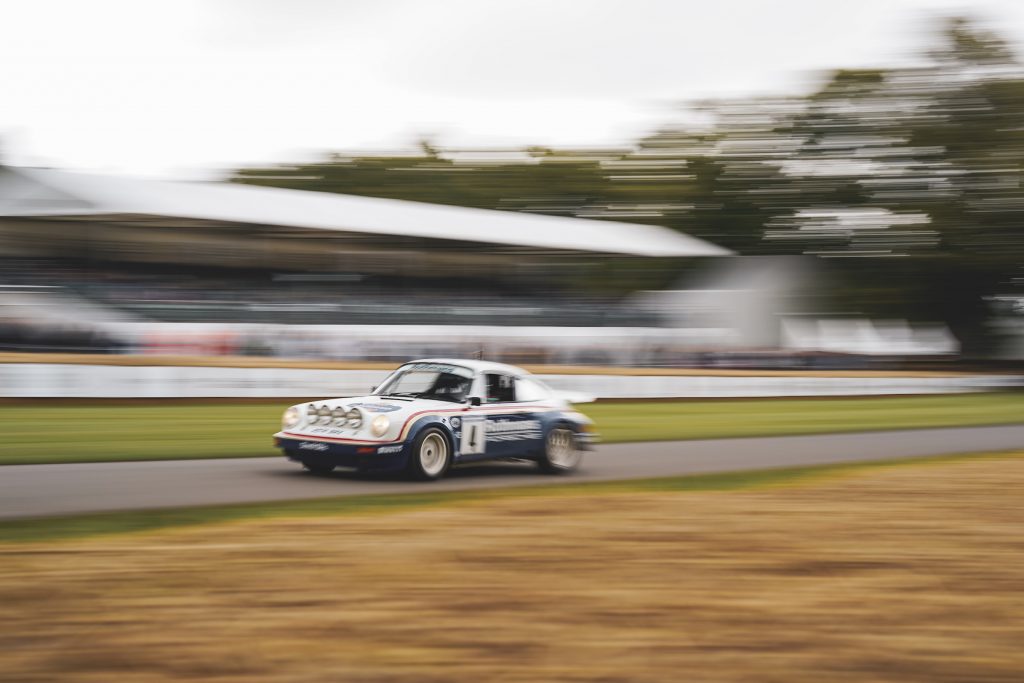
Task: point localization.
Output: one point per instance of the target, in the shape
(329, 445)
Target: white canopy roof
(28, 192)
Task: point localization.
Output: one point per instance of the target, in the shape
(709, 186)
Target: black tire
(318, 469)
(561, 453)
(430, 455)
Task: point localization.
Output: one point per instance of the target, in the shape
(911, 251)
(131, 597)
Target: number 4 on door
(474, 436)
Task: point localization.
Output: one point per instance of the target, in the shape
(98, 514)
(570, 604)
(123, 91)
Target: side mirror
(474, 400)
(373, 389)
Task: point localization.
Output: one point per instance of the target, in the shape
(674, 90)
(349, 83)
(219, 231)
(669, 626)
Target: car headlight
(291, 417)
(355, 418)
(380, 425)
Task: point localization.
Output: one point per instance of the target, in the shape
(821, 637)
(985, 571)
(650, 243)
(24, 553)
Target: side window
(500, 389)
(528, 390)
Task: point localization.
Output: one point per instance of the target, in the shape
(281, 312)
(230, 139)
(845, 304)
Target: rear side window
(500, 389)
(529, 390)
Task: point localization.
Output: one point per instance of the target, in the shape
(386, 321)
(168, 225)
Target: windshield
(438, 381)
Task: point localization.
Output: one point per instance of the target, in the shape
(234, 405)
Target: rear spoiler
(575, 396)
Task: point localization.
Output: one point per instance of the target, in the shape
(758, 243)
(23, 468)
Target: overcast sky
(181, 88)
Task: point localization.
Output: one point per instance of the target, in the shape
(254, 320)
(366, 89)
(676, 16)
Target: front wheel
(561, 453)
(430, 455)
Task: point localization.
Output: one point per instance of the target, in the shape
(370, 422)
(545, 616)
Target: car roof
(475, 365)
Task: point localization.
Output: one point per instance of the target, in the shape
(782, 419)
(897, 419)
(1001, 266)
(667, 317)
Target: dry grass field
(905, 573)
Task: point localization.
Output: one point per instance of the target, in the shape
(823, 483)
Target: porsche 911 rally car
(431, 414)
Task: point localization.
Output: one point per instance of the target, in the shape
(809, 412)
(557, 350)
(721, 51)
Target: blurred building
(93, 262)
(200, 252)
(772, 303)
(748, 296)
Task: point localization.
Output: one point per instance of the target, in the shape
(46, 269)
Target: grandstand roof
(39, 193)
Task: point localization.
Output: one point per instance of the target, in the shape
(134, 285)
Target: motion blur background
(799, 185)
(213, 209)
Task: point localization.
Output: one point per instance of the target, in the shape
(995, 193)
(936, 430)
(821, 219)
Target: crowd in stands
(212, 295)
(25, 336)
(283, 315)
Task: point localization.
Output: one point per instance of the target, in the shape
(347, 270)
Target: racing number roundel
(474, 435)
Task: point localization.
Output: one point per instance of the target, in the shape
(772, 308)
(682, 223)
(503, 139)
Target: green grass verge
(79, 526)
(83, 433)
(665, 421)
(97, 433)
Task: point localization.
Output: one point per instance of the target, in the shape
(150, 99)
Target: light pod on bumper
(339, 417)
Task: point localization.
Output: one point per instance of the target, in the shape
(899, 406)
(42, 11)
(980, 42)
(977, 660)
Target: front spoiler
(363, 456)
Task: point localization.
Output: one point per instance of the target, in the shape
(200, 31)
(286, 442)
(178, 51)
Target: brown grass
(910, 573)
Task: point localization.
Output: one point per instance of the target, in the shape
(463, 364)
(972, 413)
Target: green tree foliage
(908, 180)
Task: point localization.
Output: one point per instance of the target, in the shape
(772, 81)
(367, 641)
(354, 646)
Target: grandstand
(99, 263)
(186, 252)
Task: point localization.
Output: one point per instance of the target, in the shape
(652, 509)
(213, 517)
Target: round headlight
(355, 418)
(380, 425)
(291, 417)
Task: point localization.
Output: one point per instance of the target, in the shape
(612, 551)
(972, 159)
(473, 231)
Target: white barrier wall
(32, 380)
(610, 386)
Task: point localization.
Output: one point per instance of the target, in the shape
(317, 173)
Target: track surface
(44, 490)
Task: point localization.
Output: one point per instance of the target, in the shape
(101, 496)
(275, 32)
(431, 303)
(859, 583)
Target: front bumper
(363, 456)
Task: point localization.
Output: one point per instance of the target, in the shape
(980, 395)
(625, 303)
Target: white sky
(181, 88)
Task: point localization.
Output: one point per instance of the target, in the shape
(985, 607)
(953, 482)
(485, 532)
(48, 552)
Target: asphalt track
(46, 490)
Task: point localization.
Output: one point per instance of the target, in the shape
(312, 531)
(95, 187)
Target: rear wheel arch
(560, 452)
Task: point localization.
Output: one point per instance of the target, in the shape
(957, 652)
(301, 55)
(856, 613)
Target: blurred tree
(921, 163)
(908, 179)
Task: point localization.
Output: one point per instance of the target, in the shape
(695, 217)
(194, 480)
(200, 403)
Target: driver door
(498, 427)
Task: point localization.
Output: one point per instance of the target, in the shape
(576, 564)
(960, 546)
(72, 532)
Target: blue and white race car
(431, 414)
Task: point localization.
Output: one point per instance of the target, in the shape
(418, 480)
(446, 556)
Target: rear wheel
(561, 453)
(430, 455)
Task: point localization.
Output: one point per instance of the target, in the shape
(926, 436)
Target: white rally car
(431, 414)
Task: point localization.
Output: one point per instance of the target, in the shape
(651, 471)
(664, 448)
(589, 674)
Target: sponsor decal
(377, 407)
(312, 446)
(504, 426)
(384, 450)
(512, 430)
(326, 431)
(477, 432)
(442, 367)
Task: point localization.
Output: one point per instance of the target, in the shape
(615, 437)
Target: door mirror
(474, 400)
(373, 389)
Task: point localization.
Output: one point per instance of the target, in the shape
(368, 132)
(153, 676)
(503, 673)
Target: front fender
(443, 423)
